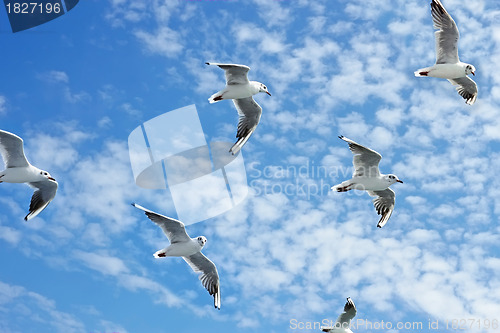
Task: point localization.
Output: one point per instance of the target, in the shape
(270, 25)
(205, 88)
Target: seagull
(181, 245)
(448, 66)
(366, 176)
(19, 170)
(344, 320)
(240, 90)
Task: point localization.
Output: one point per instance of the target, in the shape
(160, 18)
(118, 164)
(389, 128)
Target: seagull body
(240, 90)
(367, 177)
(19, 170)
(444, 71)
(181, 245)
(344, 320)
(184, 249)
(448, 66)
(237, 84)
(236, 91)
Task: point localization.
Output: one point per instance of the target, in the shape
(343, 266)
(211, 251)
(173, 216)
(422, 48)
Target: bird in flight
(367, 177)
(181, 245)
(19, 170)
(448, 66)
(240, 90)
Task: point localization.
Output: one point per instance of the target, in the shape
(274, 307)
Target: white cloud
(54, 76)
(21, 307)
(105, 264)
(3, 105)
(10, 235)
(165, 41)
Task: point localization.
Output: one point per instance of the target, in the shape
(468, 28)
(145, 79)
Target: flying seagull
(448, 66)
(19, 170)
(367, 176)
(344, 320)
(240, 90)
(181, 245)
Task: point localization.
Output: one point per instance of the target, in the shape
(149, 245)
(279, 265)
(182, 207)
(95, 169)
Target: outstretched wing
(209, 276)
(384, 204)
(173, 229)
(446, 36)
(466, 88)
(365, 160)
(344, 320)
(249, 116)
(46, 191)
(235, 74)
(11, 148)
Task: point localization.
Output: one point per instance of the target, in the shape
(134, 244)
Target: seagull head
(263, 88)
(393, 179)
(202, 240)
(469, 69)
(47, 175)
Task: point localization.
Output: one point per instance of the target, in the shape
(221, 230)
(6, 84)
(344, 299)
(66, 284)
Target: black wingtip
(207, 63)
(341, 137)
(133, 204)
(26, 218)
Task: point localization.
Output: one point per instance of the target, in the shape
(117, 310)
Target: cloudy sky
(290, 253)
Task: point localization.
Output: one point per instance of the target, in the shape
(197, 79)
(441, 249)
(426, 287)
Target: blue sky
(76, 87)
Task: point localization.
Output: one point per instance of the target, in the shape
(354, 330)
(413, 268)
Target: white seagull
(240, 90)
(181, 245)
(344, 320)
(367, 176)
(448, 66)
(19, 170)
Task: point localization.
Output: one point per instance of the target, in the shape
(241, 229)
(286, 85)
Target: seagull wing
(46, 191)
(11, 148)
(344, 320)
(365, 160)
(466, 88)
(384, 204)
(349, 312)
(235, 74)
(446, 36)
(249, 112)
(173, 229)
(209, 276)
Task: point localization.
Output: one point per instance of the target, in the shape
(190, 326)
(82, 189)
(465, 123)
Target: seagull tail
(215, 98)
(422, 72)
(342, 187)
(160, 254)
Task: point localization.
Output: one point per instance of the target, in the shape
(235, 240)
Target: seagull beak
(399, 181)
(267, 92)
